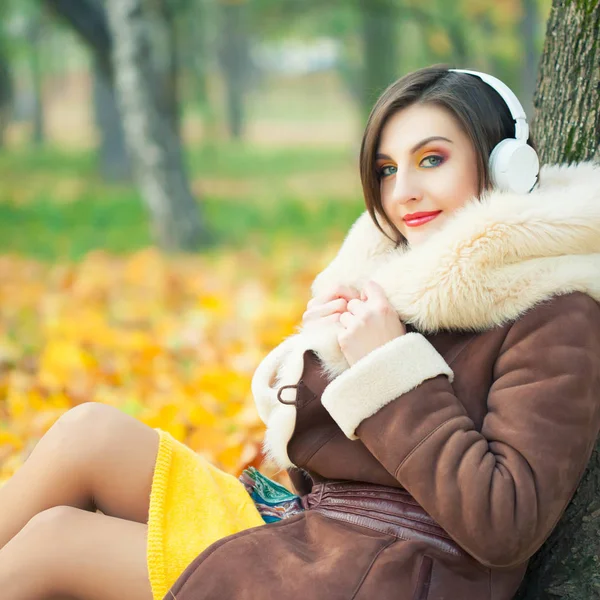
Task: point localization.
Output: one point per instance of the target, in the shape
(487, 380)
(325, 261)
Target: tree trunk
(156, 153)
(167, 78)
(87, 18)
(6, 91)
(196, 51)
(234, 52)
(36, 35)
(88, 21)
(114, 160)
(567, 99)
(380, 42)
(567, 129)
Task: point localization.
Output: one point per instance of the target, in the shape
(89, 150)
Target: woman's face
(426, 164)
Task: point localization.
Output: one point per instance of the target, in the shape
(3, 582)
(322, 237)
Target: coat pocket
(424, 579)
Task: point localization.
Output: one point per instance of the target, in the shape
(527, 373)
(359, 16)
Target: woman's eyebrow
(422, 143)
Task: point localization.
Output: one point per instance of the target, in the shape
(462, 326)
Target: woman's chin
(417, 235)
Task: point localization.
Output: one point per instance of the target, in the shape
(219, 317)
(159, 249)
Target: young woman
(435, 411)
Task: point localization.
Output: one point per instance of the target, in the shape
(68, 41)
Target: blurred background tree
(150, 113)
(242, 85)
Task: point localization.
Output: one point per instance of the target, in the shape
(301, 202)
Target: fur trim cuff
(380, 377)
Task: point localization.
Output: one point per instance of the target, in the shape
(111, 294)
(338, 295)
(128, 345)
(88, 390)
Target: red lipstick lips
(420, 218)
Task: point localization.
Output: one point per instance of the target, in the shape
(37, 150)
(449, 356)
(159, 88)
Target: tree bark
(567, 129)
(567, 99)
(155, 150)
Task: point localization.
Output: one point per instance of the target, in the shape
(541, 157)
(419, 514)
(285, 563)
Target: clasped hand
(367, 318)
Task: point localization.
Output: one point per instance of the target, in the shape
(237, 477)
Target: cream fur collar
(493, 260)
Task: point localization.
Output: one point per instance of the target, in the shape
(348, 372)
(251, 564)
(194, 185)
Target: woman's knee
(43, 530)
(85, 429)
(49, 522)
(88, 415)
(103, 452)
(32, 558)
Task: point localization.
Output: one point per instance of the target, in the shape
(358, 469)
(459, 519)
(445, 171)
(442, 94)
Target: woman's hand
(328, 307)
(369, 322)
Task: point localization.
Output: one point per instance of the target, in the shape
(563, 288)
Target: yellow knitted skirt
(192, 505)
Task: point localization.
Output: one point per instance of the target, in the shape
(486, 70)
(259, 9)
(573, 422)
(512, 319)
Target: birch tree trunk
(567, 129)
(156, 152)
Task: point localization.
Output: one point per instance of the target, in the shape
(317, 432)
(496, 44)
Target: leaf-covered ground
(172, 341)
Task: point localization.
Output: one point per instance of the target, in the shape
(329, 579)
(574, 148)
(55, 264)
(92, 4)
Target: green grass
(238, 161)
(27, 163)
(48, 226)
(47, 230)
(231, 160)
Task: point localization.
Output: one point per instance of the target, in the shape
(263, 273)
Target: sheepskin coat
(438, 464)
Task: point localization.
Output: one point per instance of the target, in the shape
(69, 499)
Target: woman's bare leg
(93, 457)
(66, 552)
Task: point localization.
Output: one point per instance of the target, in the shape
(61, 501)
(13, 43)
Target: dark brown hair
(479, 109)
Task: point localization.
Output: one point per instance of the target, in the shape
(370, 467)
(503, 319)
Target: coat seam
(397, 471)
(324, 443)
(369, 569)
(465, 345)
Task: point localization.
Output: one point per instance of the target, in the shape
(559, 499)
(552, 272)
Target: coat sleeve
(500, 491)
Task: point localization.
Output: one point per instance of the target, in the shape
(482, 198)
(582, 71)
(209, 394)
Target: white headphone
(514, 165)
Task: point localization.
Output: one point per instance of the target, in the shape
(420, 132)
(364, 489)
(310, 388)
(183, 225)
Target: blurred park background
(156, 279)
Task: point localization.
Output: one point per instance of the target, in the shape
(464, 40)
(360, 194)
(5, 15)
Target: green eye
(437, 161)
(387, 171)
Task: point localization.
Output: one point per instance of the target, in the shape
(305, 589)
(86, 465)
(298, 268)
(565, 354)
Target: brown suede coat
(494, 458)
(441, 489)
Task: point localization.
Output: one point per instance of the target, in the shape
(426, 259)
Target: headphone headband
(514, 165)
(512, 102)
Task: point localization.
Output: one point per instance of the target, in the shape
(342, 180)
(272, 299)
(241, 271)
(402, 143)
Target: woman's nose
(405, 190)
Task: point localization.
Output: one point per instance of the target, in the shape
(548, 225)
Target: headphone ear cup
(514, 166)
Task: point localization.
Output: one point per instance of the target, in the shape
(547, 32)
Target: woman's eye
(434, 161)
(387, 171)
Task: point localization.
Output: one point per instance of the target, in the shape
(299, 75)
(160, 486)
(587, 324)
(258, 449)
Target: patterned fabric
(273, 501)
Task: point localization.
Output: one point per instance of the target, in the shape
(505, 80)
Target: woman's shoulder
(572, 303)
(572, 318)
